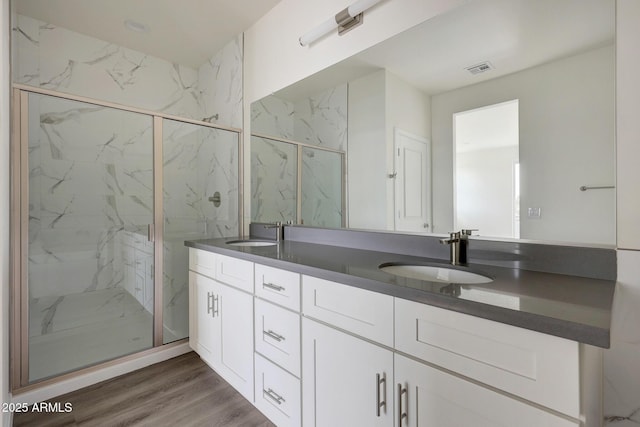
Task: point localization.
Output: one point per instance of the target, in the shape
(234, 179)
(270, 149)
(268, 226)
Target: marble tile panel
(322, 119)
(220, 85)
(321, 190)
(273, 116)
(273, 180)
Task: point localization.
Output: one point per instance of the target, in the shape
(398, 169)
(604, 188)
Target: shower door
(88, 172)
(199, 200)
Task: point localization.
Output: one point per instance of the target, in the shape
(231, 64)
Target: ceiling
(512, 35)
(188, 32)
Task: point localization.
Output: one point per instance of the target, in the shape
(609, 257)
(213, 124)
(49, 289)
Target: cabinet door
(236, 339)
(425, 396)
(346, 381)
(205, 327)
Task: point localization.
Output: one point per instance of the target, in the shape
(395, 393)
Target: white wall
(621, 362)
(566, 122)
(407, 109)
(275, 59)
(367, 166)
(4, 209)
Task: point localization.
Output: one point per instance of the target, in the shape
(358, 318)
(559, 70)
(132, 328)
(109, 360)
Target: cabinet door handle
(272, 286)
(273, 396)
(380, 379)
(402, 414)
(209, 302)
(273, 335)
(216, 305)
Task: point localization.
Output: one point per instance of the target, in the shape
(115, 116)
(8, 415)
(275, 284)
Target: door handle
(402, 414)
(272, 286)
(273, 335)
(273, 396)
(380, 379)
(216, 305)
(209, 302)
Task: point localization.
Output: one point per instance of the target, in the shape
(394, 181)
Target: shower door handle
(151, 232)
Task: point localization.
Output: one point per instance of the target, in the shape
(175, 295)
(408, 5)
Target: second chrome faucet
(458, 242)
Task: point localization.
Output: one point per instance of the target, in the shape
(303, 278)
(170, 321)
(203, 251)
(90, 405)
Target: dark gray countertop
(571, 307)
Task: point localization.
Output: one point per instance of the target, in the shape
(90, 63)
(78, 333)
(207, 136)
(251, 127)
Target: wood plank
(182, 391)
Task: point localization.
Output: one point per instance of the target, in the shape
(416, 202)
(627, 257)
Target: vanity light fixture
(344, 21)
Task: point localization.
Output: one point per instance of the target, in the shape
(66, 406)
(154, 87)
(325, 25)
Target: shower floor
(78, 330)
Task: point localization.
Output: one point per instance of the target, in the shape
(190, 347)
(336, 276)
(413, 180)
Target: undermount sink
(252, 242)
(435, 273)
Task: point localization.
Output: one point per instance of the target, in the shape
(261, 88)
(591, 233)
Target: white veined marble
(56, 58)
(274, 167)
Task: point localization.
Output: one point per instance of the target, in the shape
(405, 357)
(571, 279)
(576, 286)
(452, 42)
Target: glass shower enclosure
(104, 198)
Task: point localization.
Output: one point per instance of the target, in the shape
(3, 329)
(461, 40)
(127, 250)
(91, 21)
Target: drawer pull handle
(402, 414)
(272, 286)
(273, 335)
(380, 404)
(274, 396)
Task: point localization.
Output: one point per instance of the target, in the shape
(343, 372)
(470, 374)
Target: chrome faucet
(278, 226)
(458, 242)
(454, 247)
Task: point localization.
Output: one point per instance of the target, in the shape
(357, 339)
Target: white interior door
(412, 182)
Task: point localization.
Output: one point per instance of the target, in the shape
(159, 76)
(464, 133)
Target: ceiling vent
(480, 68)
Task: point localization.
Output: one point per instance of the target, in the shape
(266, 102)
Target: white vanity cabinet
(221, 319)
(329, 354)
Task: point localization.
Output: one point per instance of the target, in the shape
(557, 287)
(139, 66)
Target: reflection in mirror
(555, 57)
(487, 170)
(296, 183)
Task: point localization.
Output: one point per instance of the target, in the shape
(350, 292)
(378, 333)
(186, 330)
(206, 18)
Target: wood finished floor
(182, 391)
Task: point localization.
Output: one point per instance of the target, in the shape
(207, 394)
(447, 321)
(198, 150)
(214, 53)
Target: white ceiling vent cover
(480, 68)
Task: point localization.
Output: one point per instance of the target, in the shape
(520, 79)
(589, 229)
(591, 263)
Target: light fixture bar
(345, 20)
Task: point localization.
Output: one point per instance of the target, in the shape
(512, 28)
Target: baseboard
(7, 419)
(49, 391)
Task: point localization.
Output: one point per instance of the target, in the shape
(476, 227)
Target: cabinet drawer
(538, 367)
(277, 335)
(235, 272)
(277, 393)
(365, 313)
(279, 286)
(431, 397)
(202, 262)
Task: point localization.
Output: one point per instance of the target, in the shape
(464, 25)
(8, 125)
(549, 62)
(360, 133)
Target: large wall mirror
(497, 116)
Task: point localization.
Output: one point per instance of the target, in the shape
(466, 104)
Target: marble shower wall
(55, 58)
(319, 120)
(220, 86)
(198, 162)
(88, 220)
(322, 119)
(274, 169)
(322, 188)
(89, 181)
